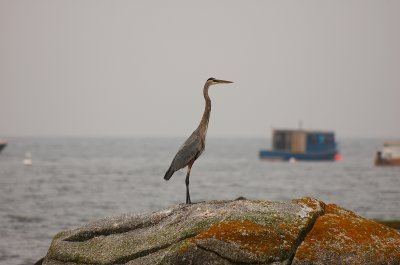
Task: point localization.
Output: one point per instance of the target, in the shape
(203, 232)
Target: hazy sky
(137, 68)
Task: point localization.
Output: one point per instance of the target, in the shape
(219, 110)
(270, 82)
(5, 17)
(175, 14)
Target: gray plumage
(194, 146)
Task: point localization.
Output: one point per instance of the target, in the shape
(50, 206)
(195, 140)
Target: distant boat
(389, 155)
(2, 145)
(293, 145)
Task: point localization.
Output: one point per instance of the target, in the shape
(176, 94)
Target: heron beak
(222, 81)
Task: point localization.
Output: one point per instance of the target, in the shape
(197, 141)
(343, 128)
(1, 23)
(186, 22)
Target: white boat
(389, 155)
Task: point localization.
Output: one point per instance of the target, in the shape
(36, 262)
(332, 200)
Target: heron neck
(203, 126)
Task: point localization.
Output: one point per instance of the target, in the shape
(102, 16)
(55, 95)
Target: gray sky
(137, 68)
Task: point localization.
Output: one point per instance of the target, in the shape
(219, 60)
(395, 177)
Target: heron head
(214, 81)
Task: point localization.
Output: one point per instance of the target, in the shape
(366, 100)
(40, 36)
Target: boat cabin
(389, 155)
(301, 141)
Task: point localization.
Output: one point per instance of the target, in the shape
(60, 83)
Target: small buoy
(27, 161)
(338, 157)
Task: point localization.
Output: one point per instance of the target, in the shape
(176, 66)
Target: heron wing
(189, 151)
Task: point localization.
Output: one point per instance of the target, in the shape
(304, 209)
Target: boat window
(282, 141)
(311, 139)
(329, 138)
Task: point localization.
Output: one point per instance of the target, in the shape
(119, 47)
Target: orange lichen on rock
(255, 238)
(342, 237)
(311, 202)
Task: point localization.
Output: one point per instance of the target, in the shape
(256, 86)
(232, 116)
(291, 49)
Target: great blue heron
(195, 144)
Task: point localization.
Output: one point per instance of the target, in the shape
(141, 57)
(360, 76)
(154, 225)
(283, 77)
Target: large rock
(303, 231)
(342, 237)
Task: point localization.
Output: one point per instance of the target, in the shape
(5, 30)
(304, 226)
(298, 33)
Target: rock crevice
(217, 254)
(305, 232)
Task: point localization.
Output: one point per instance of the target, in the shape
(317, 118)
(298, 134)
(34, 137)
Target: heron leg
(187, 185)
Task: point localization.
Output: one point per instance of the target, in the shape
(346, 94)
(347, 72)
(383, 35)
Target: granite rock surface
(302, 231)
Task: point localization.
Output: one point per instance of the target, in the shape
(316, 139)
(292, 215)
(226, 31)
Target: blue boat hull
(285, 156)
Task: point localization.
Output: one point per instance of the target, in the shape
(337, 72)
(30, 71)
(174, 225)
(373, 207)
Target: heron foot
(188, 201)
(187, 189)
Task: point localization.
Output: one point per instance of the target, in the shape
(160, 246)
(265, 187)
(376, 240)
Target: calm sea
(73, 181)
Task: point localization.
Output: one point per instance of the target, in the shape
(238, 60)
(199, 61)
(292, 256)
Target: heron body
(194, 146)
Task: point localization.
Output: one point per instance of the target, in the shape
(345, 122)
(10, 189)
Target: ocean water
(73, 181)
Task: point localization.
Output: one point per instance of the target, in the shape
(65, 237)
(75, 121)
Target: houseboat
(293, 145)
(389, 155)
(2, 145)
